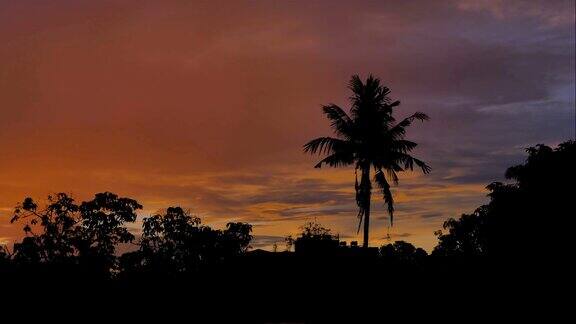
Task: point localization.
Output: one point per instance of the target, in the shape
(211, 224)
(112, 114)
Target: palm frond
(335, 160)
(402, 145)
(383, 184)
(360, 208)
(392, 175)
(409, 162)
(341, 123)
(398, 131)
(357, 87)
(394, 104)
(425, 167)
(323, 145)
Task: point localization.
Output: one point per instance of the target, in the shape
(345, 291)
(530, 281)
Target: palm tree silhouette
(368, 137)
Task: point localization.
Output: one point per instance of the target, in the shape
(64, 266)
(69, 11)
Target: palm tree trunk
(365, 182)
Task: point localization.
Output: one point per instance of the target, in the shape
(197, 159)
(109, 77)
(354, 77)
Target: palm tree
(368, 137)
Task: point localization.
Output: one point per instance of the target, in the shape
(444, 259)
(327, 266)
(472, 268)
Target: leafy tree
(467, 235)
(57, 223)
(369, 138)
(167, 240)
(67, 233)
(403, 251)
(177, 242)
(316, 231)
(102, 228)
(511, 223)
(236, 238)
(314, 238)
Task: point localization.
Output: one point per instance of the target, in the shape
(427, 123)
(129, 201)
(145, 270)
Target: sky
(206, 104)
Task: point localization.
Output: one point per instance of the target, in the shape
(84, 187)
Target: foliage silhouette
(316, 231)
(314, 238)
(403, 251)
(368, 137)
(101, 228)
(176, 242)
(511, 222)
(72, 234)
(57, 222)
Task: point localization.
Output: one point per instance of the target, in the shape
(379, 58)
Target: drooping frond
(409, 162)
(360, 209)
(323, 145)
(392, 175)
(398, 131)
(362, 194)
(335, 160)
(380, 180)
(420, 116)
(425, 167)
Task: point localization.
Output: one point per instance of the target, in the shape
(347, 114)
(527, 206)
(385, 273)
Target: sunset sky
(206, 104)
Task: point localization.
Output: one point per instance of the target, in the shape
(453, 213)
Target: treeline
(86, 235)
(66, 236)
(70, 259)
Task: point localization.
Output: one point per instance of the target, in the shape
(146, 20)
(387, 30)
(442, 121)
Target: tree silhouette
(176, 242)
(315, 231)
(101, 228)
(467, 235)
(72, 234)
(403, 252)
(368, 137)
(511, 222)
(171, 241)
(57, 223)
(315, 239)
(401, 249)
(236, 238)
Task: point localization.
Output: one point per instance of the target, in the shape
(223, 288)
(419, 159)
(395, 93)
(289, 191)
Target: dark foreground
(284, 287)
